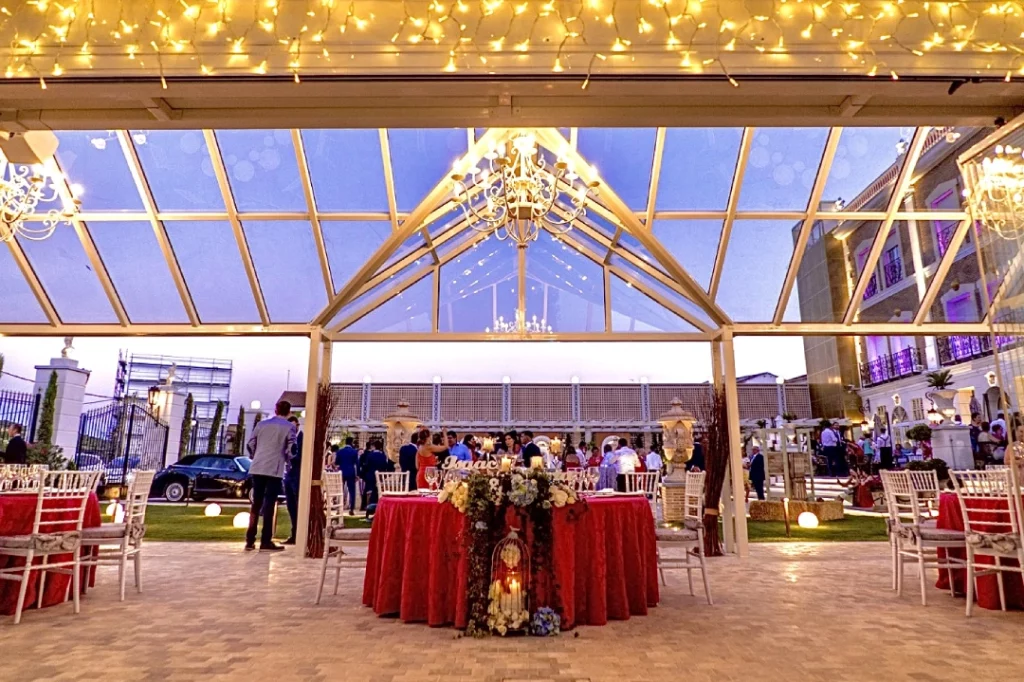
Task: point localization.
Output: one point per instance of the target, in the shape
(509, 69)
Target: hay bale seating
(773, 510)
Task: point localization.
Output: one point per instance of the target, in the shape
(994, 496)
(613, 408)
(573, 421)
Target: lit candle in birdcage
(510, 564)
(556, 446)
(506, 464)
(488, 445)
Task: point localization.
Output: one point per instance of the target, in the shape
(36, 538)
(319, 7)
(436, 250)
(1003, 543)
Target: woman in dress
(426, 456)
(572, 461)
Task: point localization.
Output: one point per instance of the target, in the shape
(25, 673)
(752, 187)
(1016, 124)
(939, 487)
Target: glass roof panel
(95, 163)
(408, 311)
(693, 243)
(634, 311)
(623, 157)
(697, 168)
(346, 169)
(891, 295)
(563, 287)
(446, 221)
(422, 158)
(139, 271)
(781, 169)
(19, 304)
(208, 255)
(599, 222)
(756, 263)
(863, 156)
(262, 170)
(68, 278)
(595, 247)
(350, 243)
(662, 290)
(454, 242)
(633, 245)
(398, 279)
(296, 266)
(178, 169)
(479, 286)
(414, 242)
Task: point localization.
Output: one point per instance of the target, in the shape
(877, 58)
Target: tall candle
(506, 464)
(536, 462)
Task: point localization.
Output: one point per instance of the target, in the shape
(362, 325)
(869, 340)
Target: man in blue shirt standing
(270, 447)
(460, 451)
(346, 459)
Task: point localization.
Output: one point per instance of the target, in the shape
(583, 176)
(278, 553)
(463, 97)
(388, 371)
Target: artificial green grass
(178, 523)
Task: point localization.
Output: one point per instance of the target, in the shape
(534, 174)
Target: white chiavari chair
(645, 482)
(392, 482)
(121, 540)
(926, 485)
(990, 531)
(913, 532)
(61, 499)
(22, 478)
(690, 538)
(336, 537)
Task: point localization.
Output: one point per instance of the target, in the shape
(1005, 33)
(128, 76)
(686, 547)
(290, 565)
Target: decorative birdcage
(510, 574)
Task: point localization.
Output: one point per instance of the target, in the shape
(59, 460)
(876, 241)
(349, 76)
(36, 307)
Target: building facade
(208, 380)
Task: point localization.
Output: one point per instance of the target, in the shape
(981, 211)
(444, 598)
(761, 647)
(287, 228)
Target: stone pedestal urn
(401, 423)
(677, 439)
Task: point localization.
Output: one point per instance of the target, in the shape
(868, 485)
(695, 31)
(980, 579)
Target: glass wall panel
(288, 268)
(262, 170)
(634, 311)
(623, 157)
(693, 243)
(479, 286)
(177, 166)
(346, 169)
(563, 287)
(95, 165)
(68, 277)
(139, 271)
(19, 304)
(409, 311)
(781, 169)
(213, 270)
(697, 167)
(666, 292)
(421, 158)
(350, 243)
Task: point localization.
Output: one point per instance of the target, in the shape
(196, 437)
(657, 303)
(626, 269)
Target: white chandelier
(996, 191)
(22, 189)
(520, 192)
(519, 326)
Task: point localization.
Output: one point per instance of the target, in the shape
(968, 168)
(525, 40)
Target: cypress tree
(237, 445)
(186, 426)
(218, 417)
(44, 434)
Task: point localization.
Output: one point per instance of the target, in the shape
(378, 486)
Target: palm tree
(940, 380)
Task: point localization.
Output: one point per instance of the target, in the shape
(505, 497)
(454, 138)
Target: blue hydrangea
(545, 622)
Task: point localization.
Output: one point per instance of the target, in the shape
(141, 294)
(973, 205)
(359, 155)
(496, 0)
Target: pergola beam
(942, 271)
(817, 190)
(861, 329)
(389, 177)
(746, 141)
(414, 222)
(899, 189)
(240, 329)
(314, 220)
(221, 174)
(159, 231)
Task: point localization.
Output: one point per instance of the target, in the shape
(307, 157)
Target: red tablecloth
(17, 513)
(951, 516)
(605, 561)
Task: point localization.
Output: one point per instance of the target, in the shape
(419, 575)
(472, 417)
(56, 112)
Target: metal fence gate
(119, 438)
(18, 408)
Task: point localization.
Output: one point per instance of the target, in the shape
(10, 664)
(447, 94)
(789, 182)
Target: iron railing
(893, 271)
(21, 409)
(944, 235)
(956, 349)
(120, 438)
(872, 287)
(891, 367)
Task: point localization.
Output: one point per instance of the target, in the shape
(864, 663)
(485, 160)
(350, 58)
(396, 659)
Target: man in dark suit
(347, 459)
(757, 472)
(407, 459)
(696, 461)
(373, 460)
(17, 450)
(530, 449)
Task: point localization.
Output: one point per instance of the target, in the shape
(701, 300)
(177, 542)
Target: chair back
(645, 482)
(902, 502)
(991, 505)
(334, 499)
(138, 497)
(391, 482)
(61, 499)
(693, 504)
(20, 477)
(926, 485)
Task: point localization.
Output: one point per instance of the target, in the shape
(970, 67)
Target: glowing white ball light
(241, 520)
(116, 509)
(212, 509)
(807, 520)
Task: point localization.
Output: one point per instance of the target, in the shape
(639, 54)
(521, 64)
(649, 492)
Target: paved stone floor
(789, 612)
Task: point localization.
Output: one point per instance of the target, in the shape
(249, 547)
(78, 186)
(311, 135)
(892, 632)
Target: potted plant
(942, 396)
(921, 433)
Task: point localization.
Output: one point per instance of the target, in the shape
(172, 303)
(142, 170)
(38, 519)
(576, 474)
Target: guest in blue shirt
(459, 451)
(346, 459)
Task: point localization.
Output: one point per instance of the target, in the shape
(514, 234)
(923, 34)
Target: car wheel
(174, 491)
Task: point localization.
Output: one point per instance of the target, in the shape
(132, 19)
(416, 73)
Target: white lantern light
(241, 520)
(807, 520)
(119, 514)
(212, 509)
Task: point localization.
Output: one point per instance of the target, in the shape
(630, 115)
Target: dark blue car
(203, 476)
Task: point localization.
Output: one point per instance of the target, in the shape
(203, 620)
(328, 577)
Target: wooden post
(736, 439)
(306, 473)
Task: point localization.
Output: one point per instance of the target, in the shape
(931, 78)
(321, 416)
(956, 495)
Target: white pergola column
(319, 370)
(728, 527)
(732, 402)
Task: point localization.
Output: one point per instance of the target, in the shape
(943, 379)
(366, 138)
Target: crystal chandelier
(22, 189)
(520, 191)
(996, 191)
(519, 326)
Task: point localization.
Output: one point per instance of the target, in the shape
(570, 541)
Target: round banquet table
(951, 516)
(17, 512)
(604, 560)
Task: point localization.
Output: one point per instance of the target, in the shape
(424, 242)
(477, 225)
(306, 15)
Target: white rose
(559, 497)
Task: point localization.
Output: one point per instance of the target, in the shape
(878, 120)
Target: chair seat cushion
(107, 531)
(350, 534)
(43, 542)
(673, 535)
(944, 534)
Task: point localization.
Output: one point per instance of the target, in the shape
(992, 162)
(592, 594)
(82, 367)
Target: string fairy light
(73, 37)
